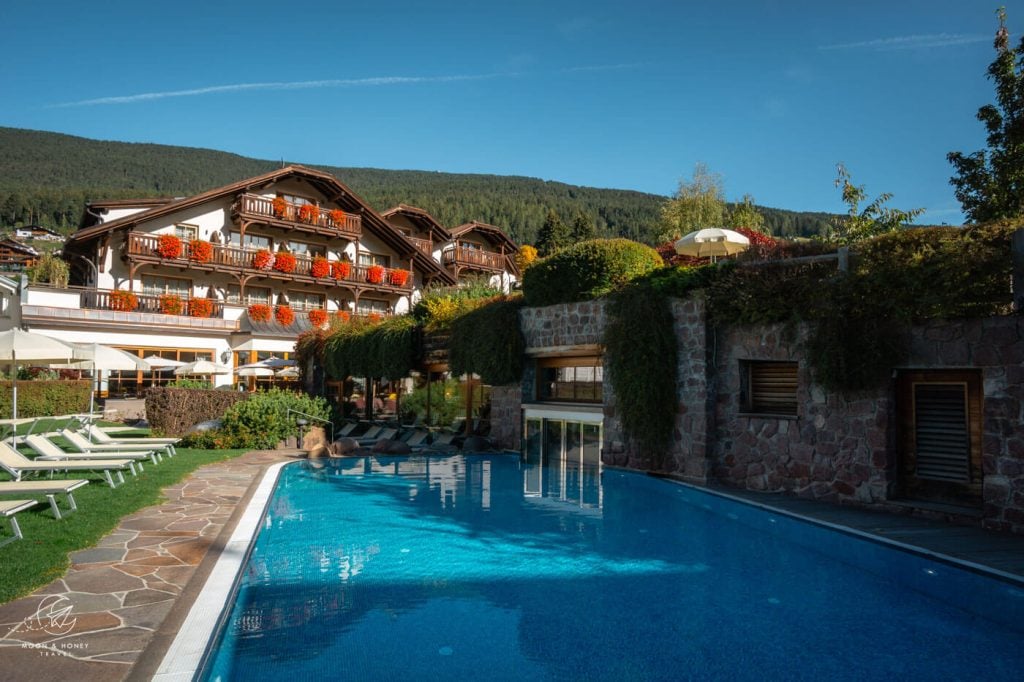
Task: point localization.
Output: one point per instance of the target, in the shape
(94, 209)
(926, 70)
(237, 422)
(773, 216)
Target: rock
(344, 446)
(318, 450)
(209, 425)
(391, 447)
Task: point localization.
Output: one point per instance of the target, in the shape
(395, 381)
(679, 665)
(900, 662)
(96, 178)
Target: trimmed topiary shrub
(173, 411)
(487, 341)
(45, 398)
(264, 419)
(587, 270)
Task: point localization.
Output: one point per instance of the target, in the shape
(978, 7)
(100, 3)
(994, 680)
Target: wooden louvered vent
(941, 432)
(772, 388)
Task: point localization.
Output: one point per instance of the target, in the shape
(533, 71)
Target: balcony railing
(424, 245)
(100, 299)
(237, 258)
(256, 206)
(473, 258)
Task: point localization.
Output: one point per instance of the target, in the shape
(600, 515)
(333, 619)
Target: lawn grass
(43, 555)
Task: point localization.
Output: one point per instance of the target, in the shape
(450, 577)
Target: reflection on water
(496, 567)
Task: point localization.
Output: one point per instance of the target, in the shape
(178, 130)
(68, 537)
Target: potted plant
(284, 315)
(259, 312)
(318, 317)
(284, 262)
(200, 307)
(279, 206)
(340, 269)
(338, 217)
(320, 267)
(309, 213)
(398, 278)
(375, 274)
(168, 246)
(263, 260)
(123, 301)
(200, 250)
(171, 304)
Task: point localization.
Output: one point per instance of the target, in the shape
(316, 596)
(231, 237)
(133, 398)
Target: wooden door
(940, 419)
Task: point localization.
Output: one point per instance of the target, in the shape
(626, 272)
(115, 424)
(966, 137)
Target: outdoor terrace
(473, 258)
(289, 215)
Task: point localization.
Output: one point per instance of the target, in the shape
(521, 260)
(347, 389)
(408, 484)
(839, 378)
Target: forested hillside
(46, 178)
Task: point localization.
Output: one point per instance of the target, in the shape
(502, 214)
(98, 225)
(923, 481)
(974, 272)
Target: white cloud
(912, 42)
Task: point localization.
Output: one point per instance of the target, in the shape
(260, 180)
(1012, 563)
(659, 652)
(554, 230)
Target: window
(370, 306)
(252, 241)
(305, 300)
(252, 295)
(472, 246)
(571, 380)
(306, 249)
(155, 285)
(298, 201)
(131, 382)
(186, 232)
(768, 387)
(367, 259)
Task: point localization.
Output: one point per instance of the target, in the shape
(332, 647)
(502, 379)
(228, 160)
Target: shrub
(447, 402)
(487, 341)
(439, 306)
(264, 419)
(49, 269)
(45, 398)
(587, 270)
(173, 411)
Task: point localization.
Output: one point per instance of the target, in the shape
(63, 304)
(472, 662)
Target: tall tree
(582, 228)
(745, 215)
(698, 203)
(874, 219)
(553, 235)
(990, 183)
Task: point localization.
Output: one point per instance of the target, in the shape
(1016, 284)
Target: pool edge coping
(183, 658)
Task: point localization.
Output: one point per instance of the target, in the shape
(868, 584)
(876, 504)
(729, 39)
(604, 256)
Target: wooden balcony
(260, 208)
(143, 248)
(99, 299)
(473, 259)
(425, 246)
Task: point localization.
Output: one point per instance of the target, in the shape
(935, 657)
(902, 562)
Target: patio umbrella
(157, 362)
(275, 362)
(254, 370)
(201, 367)
(21, 346)
(289, 373)
(100, 358)
(712, 242)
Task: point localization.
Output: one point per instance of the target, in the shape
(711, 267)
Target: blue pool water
(485, 568)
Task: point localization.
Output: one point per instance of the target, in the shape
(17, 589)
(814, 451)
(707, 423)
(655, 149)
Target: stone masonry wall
(564, 324)
(506, 416)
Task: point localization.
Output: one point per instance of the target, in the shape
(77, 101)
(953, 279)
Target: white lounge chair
(49, 451)
(79, 443)
(50, 488)
(8, 508)
(101, 437)
(17, 464)
(386, 434)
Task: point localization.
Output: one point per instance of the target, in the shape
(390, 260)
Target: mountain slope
(46, 178)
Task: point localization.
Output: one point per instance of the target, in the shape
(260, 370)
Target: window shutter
(773, 387)
(940, 426)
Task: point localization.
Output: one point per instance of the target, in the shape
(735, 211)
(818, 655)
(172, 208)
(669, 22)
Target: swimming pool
(483, 567)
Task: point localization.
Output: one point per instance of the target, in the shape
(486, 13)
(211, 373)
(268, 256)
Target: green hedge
(267, 418)
(173, 411)
(45, 398)
(365, 349)
(587, 270)
(487, 341)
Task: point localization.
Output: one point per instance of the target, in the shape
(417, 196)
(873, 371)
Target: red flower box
(123, 301)
(279, 206)
(317, 317)
(259, 312)
(263, 260)
(171, 304)
(338, 217)
(284, 315)
(200, 250)
(284, 262)
(343, 316)
(398, 278)
(340, 269)
(375, 274)
(200, 307)
(321, 267)
(168, 246)
(309, 213)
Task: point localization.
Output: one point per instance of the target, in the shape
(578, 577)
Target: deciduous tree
(698, 203)
(874, 219)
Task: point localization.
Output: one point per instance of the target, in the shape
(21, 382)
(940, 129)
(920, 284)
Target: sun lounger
(417, 439)
(8, 508)
(17, 464)
(50, 489)
(50, 451)
(101, 437)
(80, 444)
(346, 429)
(386, 434)
(370, 434)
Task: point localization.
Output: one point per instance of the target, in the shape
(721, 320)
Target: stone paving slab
(95, 621)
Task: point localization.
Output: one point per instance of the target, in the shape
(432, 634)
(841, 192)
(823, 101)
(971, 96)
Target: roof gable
(427, 222)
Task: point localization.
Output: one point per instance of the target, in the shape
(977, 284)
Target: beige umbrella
(17, 346)
(201, 367)
(712, 242)
(100, 358)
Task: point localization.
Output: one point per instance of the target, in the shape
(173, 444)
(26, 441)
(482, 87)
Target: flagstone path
(95, 622)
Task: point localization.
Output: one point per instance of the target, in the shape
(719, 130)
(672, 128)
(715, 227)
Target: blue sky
(770, 94)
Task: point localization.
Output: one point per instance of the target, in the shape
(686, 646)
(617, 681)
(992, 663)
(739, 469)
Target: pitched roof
(332, 188)
(419, 215)
(494, 234)
(15, 245)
